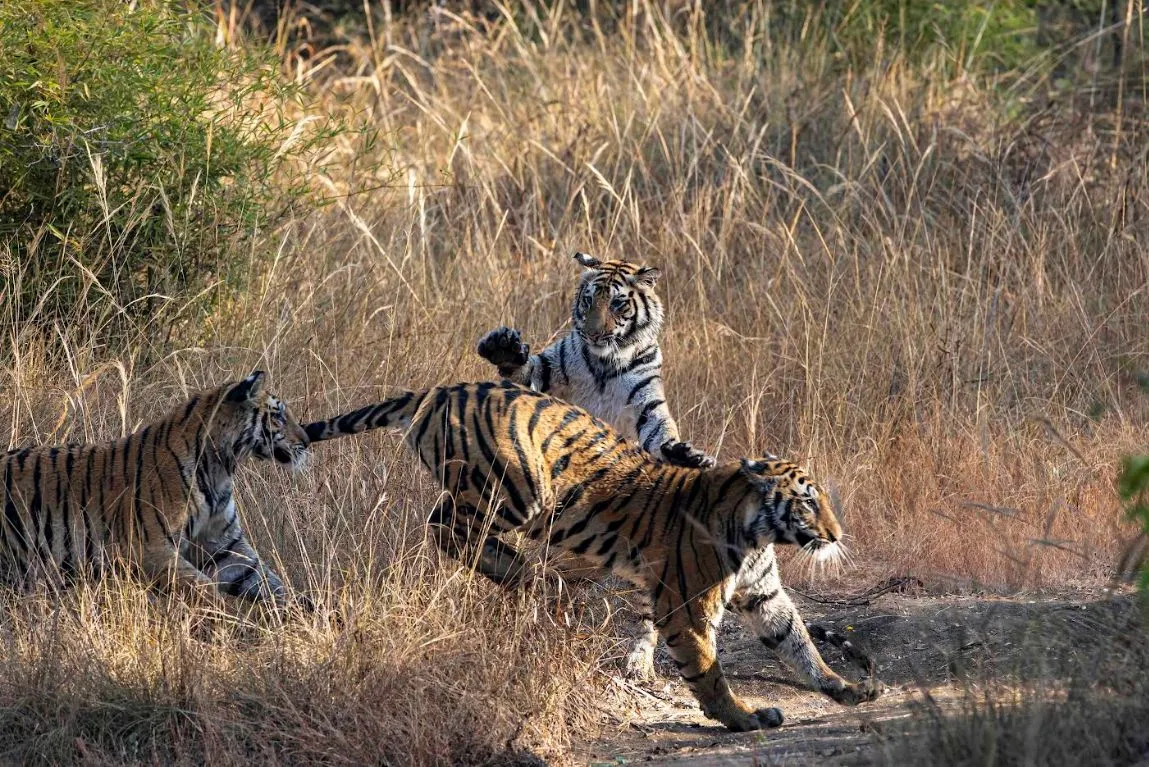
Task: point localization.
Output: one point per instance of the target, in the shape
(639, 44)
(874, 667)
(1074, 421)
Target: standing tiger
(693, 540)
(609, 363)
(161, 499)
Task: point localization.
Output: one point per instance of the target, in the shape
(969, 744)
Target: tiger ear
(755, 471)
(247, 389)
(587, 260)
(647, 276)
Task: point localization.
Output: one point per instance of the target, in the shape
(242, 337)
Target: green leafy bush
(136, 159)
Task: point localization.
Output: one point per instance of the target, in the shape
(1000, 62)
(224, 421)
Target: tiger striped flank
(692, 540)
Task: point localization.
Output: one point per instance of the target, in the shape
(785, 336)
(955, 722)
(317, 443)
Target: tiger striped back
(693, 540)
(160, 499)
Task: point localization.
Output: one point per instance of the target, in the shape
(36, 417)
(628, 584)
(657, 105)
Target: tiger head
(259, 423)
(791, 508)
(615, 305)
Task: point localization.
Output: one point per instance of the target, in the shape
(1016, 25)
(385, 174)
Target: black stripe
(461, 400)
(509, 488)
(188, 409)
(137, 495)
(757, 600)
(540, 405)
(563, 358)
(578, 435)
(616, 524)
(607, 544)
(521, 454)
(568, 418)
(646, 307)
(591, 366)
(559, 466)
(572, 497)
(645, 416)
(544, 374)
(683, 589)
(777, 639)
(640, 386)
(38, 522)
(440, 400)
(653, 494)
(88, 471)
(583, 545)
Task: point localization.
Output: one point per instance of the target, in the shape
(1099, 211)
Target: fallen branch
(866, 597)
(848, 648)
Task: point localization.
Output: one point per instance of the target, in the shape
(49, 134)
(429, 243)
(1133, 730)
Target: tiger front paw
(504, 348)
(762, 719)
(853, 693)
(685, 454)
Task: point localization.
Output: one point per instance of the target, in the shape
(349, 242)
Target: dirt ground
(935, 645)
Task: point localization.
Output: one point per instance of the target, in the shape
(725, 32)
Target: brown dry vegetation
(942, 310)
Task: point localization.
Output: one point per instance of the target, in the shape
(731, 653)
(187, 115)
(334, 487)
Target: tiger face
(791, 508)
(615, 304)
(264, 426)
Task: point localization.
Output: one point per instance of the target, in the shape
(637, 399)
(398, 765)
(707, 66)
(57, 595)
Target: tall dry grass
(941, 310)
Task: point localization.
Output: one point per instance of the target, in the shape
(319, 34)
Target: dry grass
(943, 312)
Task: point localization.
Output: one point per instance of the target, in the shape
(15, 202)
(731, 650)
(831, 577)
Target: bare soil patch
(935, 646)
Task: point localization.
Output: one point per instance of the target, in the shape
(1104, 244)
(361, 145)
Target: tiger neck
(600, 360)
(708, 503)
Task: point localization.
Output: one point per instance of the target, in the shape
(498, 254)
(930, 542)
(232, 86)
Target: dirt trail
(919, 643)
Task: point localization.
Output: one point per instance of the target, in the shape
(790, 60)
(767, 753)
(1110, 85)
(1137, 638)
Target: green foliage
(1133, 486)
(136, 157)
(998, 35)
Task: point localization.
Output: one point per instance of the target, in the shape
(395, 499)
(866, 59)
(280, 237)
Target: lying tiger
(695, 540)
(160, 499)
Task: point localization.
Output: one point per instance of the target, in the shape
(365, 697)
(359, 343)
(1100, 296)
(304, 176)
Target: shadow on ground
(943, 660)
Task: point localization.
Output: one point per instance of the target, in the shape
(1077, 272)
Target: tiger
(160, 500)
(609, 362)
(693, 540)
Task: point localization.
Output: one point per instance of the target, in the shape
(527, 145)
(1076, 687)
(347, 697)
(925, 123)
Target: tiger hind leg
(454, 528)
(639, 663)
(238, 570)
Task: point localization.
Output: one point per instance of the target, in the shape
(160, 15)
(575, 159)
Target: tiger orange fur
(160, 500)
(694, 540)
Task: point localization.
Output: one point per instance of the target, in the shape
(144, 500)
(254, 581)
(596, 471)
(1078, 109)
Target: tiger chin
(693, 540)
(160, 499)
